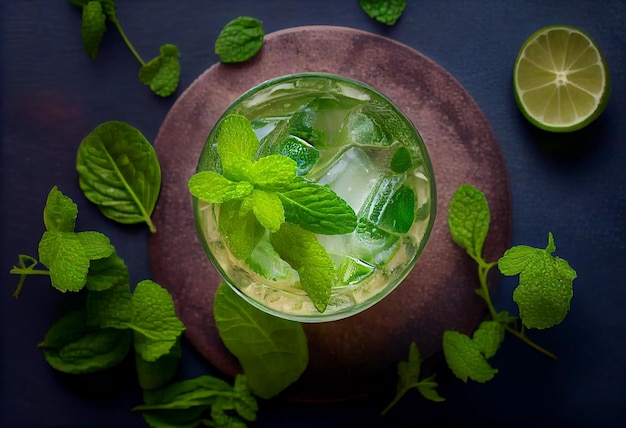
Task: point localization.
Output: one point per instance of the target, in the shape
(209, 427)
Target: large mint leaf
(60, 212)
(468, 219)
(209, 186)
(317, 208)
(301, 249)
(239, 226)
(119, 171)
(273, 352)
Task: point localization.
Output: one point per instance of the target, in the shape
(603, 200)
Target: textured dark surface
(573, 185)
(347, 357)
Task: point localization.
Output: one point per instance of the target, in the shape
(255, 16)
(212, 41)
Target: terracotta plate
(355, 356)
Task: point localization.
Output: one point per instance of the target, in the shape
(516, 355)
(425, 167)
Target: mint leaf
(118, 170)
(239, 226)
(60, 212)
(107, 272)
(236, 146)
(63, 254)
(268, 209)
(273, 172)
(155, 374)
(317, 208)
(401, 160)
(93, 27)
(239, 40)
(385, 11)
(488, 337)
(545, 284)
(468, 219)
(154, 320)
(464, 358)
(95, 244)
(209, 186)
(273, 352)
(112, 307)
(162, 73)
(301, 249)
(73, 347)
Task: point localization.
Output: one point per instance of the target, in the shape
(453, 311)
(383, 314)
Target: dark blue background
(572, 185)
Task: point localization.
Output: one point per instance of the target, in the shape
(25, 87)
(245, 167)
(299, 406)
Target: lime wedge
(560, 79)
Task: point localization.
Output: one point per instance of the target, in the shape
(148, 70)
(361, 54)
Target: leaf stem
(529, 342)
(117, 24)
(26, 271)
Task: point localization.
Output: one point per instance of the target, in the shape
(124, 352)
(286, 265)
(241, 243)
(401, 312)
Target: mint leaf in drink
(465, 359)
(236, 146)
(118, 170)
(71, 346)
(317, 208)
(409, 377)
(154, 320)
(93, 27)
(268, 209)
(239, 226)
(385, 11)
(162, 73)
(60, 212)
(545, 284)
(273, 352)
(468, 219)
(301, 249)
(401, 160)
(273, 172)
(239, 40)
(214, 188)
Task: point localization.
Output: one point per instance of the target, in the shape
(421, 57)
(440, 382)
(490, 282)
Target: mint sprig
(161, 74)
(240, 39)
(267, 193)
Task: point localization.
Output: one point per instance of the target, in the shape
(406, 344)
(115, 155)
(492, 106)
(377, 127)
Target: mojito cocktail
(314, 196)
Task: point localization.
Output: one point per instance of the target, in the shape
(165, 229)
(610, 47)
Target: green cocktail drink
(347, 145)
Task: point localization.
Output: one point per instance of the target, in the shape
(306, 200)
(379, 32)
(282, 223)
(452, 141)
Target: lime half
(560, 79)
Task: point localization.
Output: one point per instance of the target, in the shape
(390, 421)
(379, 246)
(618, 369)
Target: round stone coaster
(357, 356)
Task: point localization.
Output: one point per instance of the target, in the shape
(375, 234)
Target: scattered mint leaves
(240, 39)
(119, 171)
(542, 304)
(272, 351)
(161, 74)
(203, 401)
(409, 377)
(385, 11)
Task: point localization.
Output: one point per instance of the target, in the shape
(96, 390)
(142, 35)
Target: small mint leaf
(162, 73)
(60, 212)
(112, 307)
(64, 256)
(464, 358)
(488, 337)
(211, 187)
(239, 226)
(401, 160)
(468, 219)
(108, 272)
(317, 208)
(239, 40)
(273, 172)
(428, 389)
(95, 244)
(93, 27)
(236, 146)
(301, 249)
(268, 209)
(386, 11)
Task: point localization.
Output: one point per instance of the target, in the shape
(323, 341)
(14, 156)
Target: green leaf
(155, 374)
(119, 172)
(64, 256)
(93, 27)
(60, 212)
(464, 358)
(317, 208)
(108, 6)
(239, 226)
(112, 307)
(428, 389)
(273, 352)
(162, 73)
(301, 249)
(468, 219)
(96, 245)
(268, 209)
(273, 172)
(401, 160)
(106, 273)
(236, 146)
(488, 337)
(71, 346)
(385, 11)
(545, 284)
(211, 187)
(156, 325)
(239, 40)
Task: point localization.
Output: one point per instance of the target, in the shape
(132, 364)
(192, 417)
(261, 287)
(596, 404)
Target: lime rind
(560, 79)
